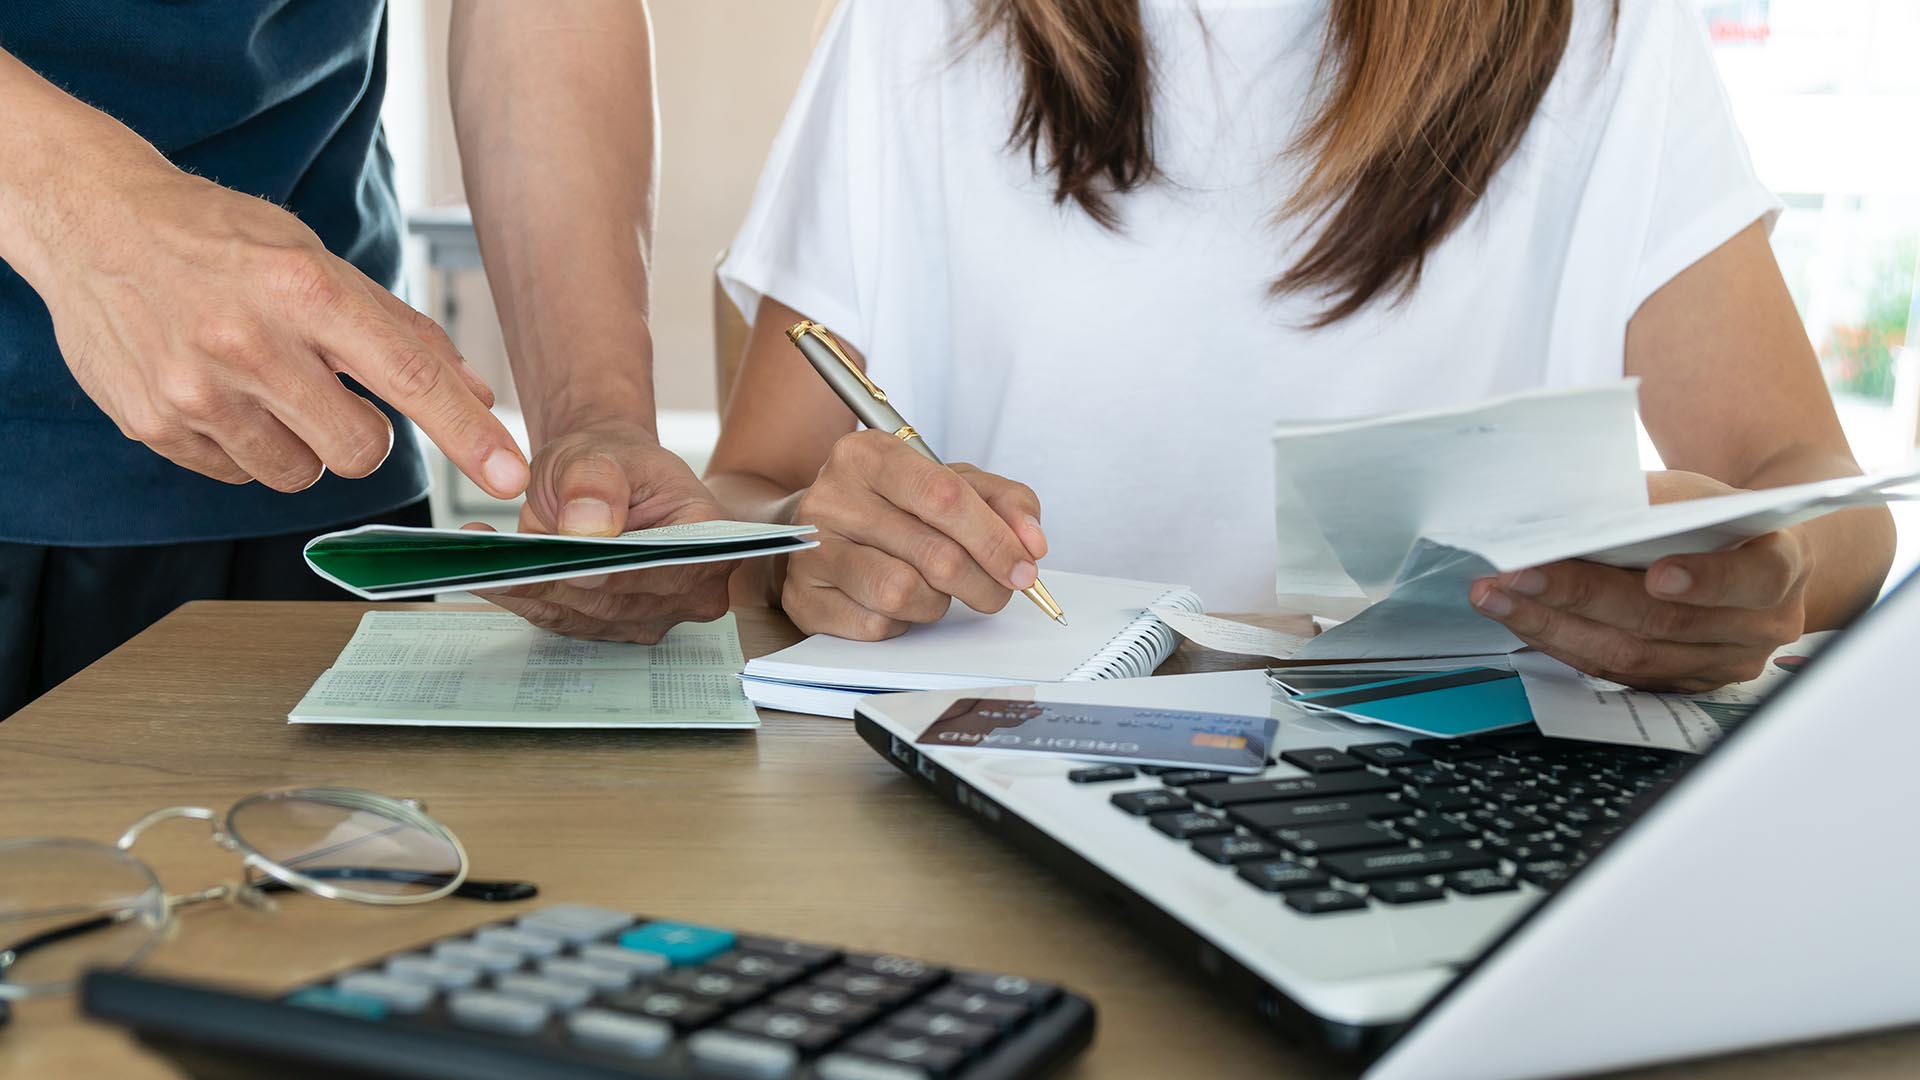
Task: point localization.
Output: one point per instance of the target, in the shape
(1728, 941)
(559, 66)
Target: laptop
(1507, 905)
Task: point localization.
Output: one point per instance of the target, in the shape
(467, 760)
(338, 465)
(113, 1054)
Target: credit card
(1112, 733)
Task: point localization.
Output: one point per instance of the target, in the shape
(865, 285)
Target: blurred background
(1826, 91)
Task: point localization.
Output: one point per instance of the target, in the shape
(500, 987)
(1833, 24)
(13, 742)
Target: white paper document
(1570, 705)
(492, 669)
(1414, 508)
(1227, 635)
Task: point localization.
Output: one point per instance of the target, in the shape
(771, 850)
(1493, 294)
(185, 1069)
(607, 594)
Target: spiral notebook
(1111, 635)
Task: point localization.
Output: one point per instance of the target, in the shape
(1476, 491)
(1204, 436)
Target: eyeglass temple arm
(492, 892)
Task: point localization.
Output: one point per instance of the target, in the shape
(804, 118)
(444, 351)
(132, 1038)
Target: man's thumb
(588, 495)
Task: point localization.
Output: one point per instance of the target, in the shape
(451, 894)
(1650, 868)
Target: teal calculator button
(333, 999)
(680, 943)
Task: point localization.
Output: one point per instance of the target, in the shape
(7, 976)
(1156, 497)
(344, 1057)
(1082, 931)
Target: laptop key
(1286, 815)
(1388, 755)
(1152, 801)
(1322, 839)
(1405, 891)
(1101, 774)
(1455, 749)
(1321, 759)
(1293, 787)
(1439, 800)
(1545, 872)
(1321, 901)
(1366, 866)
(1281, 875)
(1229, 848)
(1188, 777)
(1188, 824)
(1433, 830)
(1480, 882)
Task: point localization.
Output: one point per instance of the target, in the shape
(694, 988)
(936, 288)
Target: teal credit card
(1444, 704)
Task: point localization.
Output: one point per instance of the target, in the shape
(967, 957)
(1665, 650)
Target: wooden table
(798, 830)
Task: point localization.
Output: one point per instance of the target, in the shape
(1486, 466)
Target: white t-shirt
(1133, 378)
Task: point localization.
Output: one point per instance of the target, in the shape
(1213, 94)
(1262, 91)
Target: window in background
(1828, 95)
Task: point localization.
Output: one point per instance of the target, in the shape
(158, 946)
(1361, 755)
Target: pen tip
(1061, 619)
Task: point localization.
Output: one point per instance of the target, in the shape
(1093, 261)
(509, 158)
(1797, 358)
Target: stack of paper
(1386, 523)
(492, 669)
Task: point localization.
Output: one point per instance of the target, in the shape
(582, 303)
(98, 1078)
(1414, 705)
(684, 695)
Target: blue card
(1121, 734)
(1444, 704)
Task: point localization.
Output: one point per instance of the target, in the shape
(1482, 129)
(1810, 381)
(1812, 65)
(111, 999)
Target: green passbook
(389, 562)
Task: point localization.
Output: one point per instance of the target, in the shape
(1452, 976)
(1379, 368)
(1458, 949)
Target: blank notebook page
(1110, 635)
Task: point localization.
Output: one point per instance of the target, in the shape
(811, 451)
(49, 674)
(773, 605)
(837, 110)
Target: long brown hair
(1419, 102)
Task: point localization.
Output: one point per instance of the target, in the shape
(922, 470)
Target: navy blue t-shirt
(276, 98)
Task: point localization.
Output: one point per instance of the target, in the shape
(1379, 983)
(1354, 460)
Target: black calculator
(570, 990)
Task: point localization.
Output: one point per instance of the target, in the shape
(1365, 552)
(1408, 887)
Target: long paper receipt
(492, 669)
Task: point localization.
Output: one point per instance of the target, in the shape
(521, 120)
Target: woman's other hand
(1687, 624)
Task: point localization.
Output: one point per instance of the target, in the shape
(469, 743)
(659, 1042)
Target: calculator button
(787, 1025)
(974, 1005)
(399, 994)
(831, 1006)
(1010, 987)
(794, 952)
(942, 1027)
(479, 956)
(335, 1000)
(603, 1029)
(755, 966)
(848, 1067)
(680, 1010)
(743, 1055)
(713, 985)
(642, 964)
(863, 986)
(575, 922)
(554, 992)
(935, 1058)
(587, 973)
(497, 1012)
(681, 943)
(524, 942)
(441, 973)
(915, 972)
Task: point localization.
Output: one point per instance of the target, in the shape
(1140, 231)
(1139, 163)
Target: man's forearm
(554, 108)
(49, 144)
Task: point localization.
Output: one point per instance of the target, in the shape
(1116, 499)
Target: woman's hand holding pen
(1688, 623)
(901, 537)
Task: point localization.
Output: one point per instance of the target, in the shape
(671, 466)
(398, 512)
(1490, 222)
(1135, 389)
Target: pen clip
(805, 327)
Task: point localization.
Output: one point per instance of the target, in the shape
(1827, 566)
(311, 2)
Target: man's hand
(603, 481)
(214, 327)
(1689, 623)
(901, 538)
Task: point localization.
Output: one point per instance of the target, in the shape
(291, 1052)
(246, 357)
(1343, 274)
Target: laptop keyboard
(1401, 823)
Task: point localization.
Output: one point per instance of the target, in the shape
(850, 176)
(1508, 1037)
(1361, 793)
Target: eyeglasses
(73, 905)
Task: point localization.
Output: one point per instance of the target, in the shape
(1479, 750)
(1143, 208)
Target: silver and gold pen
(870, 404)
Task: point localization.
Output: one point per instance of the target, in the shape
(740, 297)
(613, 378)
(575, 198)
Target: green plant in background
(1858, 357)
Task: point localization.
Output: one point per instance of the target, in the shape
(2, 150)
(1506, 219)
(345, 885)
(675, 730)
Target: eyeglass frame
(276, 876)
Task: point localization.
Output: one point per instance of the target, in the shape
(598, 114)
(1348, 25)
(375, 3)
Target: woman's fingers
(1760, 574)
(1616, 598)
(824, 609)
(1015, 502)
(1615, 653)
(881, 583)
(938, 496)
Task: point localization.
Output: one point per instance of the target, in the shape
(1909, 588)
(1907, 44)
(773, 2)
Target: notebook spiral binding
(1140, 646)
